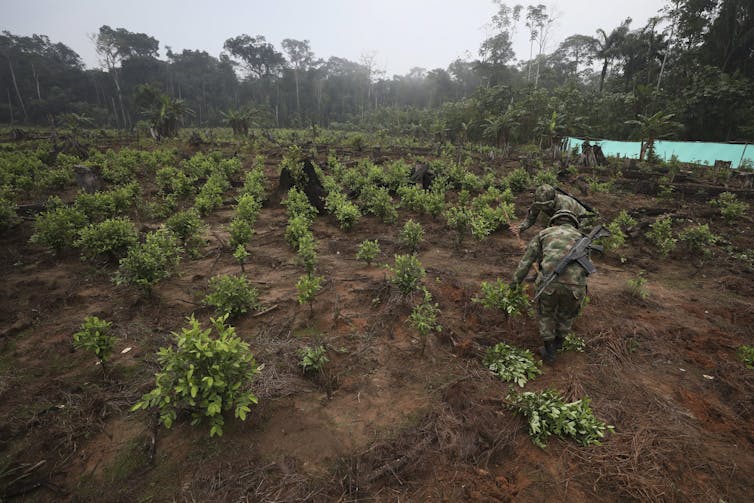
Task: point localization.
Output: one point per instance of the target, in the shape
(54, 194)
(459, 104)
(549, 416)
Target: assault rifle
(578, 253)
(582, 203)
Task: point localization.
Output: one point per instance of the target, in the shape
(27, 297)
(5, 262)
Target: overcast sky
(401, 34)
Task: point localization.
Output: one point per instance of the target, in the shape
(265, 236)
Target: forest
(687, 73)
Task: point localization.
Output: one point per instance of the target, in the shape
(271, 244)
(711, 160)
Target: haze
(400, 34)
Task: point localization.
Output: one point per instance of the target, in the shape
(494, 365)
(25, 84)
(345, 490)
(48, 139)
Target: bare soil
(386, 422)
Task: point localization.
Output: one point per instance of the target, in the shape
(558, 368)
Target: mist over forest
(687, 73)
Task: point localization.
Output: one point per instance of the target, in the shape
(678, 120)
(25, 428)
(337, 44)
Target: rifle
(582, 203)
(578, 253)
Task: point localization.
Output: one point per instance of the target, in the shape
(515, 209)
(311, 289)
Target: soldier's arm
(533, 252)
(531, 217)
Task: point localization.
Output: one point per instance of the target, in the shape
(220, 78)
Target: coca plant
(204, 376)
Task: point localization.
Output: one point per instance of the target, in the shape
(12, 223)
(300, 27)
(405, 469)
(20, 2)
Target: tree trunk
(10, 105)
(18, 93)
(602, 76)
(36, 79)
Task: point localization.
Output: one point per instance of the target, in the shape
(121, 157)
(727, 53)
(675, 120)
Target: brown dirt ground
(386, 423)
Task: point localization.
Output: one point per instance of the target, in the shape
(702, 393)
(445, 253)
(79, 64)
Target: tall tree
(608, 46)
(301, 56)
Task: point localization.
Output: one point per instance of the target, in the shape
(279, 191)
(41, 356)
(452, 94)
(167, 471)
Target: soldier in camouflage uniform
(548, 201)
(561, 302)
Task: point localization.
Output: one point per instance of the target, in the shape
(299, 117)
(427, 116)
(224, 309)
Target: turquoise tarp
(686, 151)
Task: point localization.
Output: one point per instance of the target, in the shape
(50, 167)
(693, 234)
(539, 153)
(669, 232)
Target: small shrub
(512, 364)
(546, 177)
(665, 187)
(187, 226)
(58, 227)
(308, 287)
(204, 376)
(240, 255)
(254, 182)
(95, 335)
(368, 251)
(307, 252)
(636, 287)
(549, 414)
(8, 216)
(150, 262)
(297, 204)
(698, 241)
(573, 343)
(731, 208)
(248, 209)
(231, 295)
(424, 317)
(458, 219)
(407, 273)
(500, 296)
(600, 187)
(661, 235)
(746, 354)
(111, 238)
(298, 227)
(378, 202)
(518, 180)
(313, 358)
(411, 235)
(240, 232)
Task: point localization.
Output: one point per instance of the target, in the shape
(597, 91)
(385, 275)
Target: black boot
(548, 352)
(559, 342)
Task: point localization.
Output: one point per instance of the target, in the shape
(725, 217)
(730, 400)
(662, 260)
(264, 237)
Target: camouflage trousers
(557, 307)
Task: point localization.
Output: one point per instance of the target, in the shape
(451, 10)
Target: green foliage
(313, 358)
(458, 219)
(500, 296)
(368, 251)
(297, 204)
(254, 181)
(545, 177)
(518, 180)
(423, 317)
(111, 239)
(661, 235)
(637, 287)
(292, 160)
(377, 201)
(665, 187)
(346, 212)
(150, 262)
(298, 227)
(407, 273)
(187, 226)
(248, 208)
(746, 355)
(411, 235)
(173, 181)
(231, 295)
(572, 342)
(8, 216)
(240, 254)
(210, 196)
(548, 414)
(308, 287)
(698, 241)
(307, 252)
(95, 335)
(512, 364)
(58, 227)
(108, 204)
(731, 208)
(600, 187)
(203, 375)
(624, 220)
(240, 232)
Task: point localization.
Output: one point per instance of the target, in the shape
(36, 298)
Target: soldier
(561, 301)
(548, 201)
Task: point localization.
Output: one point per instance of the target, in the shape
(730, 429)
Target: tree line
(686, 73)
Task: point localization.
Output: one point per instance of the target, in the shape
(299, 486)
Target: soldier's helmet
(563, 216)
(544, 196)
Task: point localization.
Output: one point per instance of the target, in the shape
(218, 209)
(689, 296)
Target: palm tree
(500, 128)
(651, 128)
(165, 114)
(607, 46)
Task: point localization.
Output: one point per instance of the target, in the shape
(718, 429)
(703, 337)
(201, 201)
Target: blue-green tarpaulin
(686, 151)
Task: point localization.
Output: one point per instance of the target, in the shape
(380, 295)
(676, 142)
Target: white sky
(401, 34)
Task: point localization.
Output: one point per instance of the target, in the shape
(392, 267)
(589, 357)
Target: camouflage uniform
(561, 302)
(548, 202)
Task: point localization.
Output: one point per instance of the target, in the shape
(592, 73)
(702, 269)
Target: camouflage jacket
(562, 202)
(547, 248)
